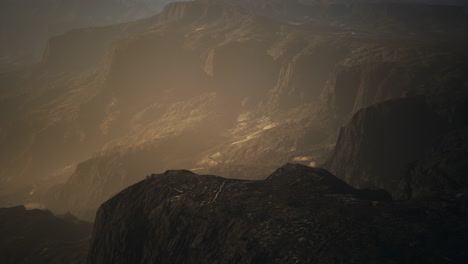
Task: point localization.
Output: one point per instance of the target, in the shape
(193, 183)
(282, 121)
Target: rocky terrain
(365, 101)
(297, 215)
(215, 87)
(220, 88)
(38, 236)
(383, 144)
(26, 25)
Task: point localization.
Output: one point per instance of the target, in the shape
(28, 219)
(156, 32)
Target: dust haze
(328, 124)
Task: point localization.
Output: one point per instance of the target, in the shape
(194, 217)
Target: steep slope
(297, 215)
(439, 20)
(36, 236)
(421, 139)
(392, 134)
(51, 107)
(26, 25)
(235, 90)
(396, 69)
(241, 95)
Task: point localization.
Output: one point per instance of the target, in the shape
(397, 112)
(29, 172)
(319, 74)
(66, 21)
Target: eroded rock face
(376, 147)
(413, 147)
(38, 236)
(256, 93)
(298, 215)
(27, 25)
(217, 88)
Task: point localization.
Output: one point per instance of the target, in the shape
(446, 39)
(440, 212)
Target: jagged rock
(413, 147)
(375, 149)
(298, 215)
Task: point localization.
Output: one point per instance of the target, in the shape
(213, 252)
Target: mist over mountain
(372, 91)
(26, 25)
(38, 236)
(257, 91)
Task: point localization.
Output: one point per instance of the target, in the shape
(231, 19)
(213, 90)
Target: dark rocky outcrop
(413, 147)
(38, 236)
(297, 215)
(376, 147)
(441, 172)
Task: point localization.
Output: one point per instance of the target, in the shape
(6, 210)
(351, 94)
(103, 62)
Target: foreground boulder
(297, 215)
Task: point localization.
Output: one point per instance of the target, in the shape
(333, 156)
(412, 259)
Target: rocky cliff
(220, 88)
(297, 215)
(376, 147)
(411, 147)
(27, 25)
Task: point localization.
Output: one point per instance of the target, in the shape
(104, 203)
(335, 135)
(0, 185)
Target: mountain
(430, 2)
(297, 215)
(26, 25)
(219, 88)
(380, 146)
(441, 172)
(373, 91)
(38, 236)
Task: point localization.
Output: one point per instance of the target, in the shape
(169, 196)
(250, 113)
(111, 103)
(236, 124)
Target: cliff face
(441, 171)
(234, 90)
(38, 236)
(411, 147)
(376, 147)
(27, 25)
(375, 74)
(297, 215)
(85, 48)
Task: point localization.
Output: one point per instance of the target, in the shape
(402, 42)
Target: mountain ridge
(260, 90)
(182, 216)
